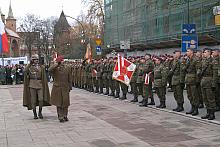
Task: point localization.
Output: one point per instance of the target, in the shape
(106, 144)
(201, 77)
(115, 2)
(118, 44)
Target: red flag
(123, 70)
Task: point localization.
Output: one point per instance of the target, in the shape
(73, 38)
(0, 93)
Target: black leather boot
(207, 115)
(123, 97)
(195, 112)
(212, 115)
(151, 102)
(191, 110)
(180, 107)
(117, 95)
(40, 113)
(107, 92)
(112, 94)
(163, 104)
(144, 104)
(35, 113)
(135, 99)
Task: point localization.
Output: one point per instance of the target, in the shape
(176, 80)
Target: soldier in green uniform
(111, 81)
(198, 58)
(160, 76)
(206, 73)
(140, 78)
(94, 76)
(176, 84)
(133, 81)
(100, 67)
(190, 81)
(104, 76)
(147, 89)
(216, 77)
(36, 91)
(89, 70)
(116, 84)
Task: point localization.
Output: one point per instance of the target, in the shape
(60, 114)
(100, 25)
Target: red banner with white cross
(123, 70)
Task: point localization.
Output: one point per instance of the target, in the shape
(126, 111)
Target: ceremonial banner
(123, 70)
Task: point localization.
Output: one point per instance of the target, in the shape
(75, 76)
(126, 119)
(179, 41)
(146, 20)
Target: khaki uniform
(176, 82)
(61, 88)
(160, 81)
(190, 81)
(207, 83)
(111, 81)
(216, 80)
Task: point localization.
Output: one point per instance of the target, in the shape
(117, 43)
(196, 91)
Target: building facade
(157, 24)
(13, 37)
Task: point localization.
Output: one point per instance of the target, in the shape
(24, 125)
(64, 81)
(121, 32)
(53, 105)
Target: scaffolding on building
(158, 23)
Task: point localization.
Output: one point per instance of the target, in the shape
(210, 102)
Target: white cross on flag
(123, 70)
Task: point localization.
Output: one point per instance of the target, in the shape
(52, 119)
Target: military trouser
(161, 93)
(106, 83)
(217, 96)
(178, 93)
(140, 88)
(100, 84)
(94, 83)
(62, 112)
(209, 98)
(147, 91)
(192, 95)
(124, 88)
(36, 95)
(134, 88)
(111, 85)
(90, 86)
(117, 86)
(199, 93)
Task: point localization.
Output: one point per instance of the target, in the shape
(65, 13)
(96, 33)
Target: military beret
(216, 50)
(147, 54)
(177, 51)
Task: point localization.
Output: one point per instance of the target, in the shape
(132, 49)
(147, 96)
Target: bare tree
(27, 31)
(95, 14)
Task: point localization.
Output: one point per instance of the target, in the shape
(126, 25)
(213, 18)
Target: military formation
(196, 71)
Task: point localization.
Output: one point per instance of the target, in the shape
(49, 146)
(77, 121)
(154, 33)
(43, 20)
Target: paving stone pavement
(99, 121)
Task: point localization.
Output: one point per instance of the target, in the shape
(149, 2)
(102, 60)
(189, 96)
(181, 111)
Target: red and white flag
(4, 47)
(147, 78)
(123, 70)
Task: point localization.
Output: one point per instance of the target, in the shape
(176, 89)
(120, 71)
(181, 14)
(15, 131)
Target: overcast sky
(42, 8)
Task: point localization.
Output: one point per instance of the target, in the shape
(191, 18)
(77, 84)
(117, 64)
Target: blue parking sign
(189, 42)
(188, 29)
(98, 50)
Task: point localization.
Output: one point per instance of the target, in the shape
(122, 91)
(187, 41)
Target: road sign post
(189, 37)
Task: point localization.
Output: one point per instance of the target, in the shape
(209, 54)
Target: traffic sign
(125, 45)
(98, 50)
(189, 42)
(98, 41)
(188, 29)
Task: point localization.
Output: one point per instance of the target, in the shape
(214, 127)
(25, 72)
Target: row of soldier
(197, 71)
(10, 74)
